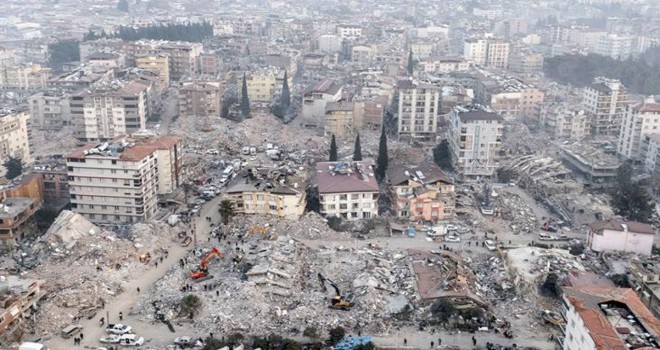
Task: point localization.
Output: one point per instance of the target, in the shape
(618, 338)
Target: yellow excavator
(338, 301)
(263, 230)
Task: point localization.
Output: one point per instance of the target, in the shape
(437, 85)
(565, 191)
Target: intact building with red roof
(609, 319)
(619, 235)
(348, 189)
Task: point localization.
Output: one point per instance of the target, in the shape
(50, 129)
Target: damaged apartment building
(19, 200)
(269, 191)
(118, 181)
(18, 299)
(421, 193)
(347, 189)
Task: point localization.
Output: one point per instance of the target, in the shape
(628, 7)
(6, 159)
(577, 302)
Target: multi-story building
(371, 109)
(55, 182)
(362, 56)
(24, 77)
(616, 46)
(200, 99)
(208, 64)
(475, 139)
(107, 111)
(651, 153)
(564, 123)
(597, 168)
(644, 278)
(15, 137)
(605, 100)
(329, 43)
(498, 54)
(421, 193)
(347, 189)
(7, 56)
(160, 63)
(512, 98)
(594, 320)
(118, 181)
(341, 119)
(315, 100)
(269, 191)
(476, 50)
(50, 110)
(264, 84)
(444, 65)
(107, 59)
(617, 235)
(638, 121)
(419, 106)
(18, 202)
(526, 62)
(347, 31)
(19, 296)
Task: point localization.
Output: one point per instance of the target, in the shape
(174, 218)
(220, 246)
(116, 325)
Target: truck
(119, 328)
(32, 346)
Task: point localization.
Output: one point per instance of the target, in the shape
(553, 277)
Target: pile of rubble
(277, 284)
(84, 265)
(529, 265)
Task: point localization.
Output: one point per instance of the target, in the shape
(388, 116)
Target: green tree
(226, 209)
(357, 150)
(382, 162)
(620, 280)
(336, 335)
(122, 6)
(45, 216)
(505, 175)
(61, 52)
(14, 167)
(630, 198)
(442, 155)
(245, 99)
(333, 149)
(411, 63)
(190, 305)
(285, 97)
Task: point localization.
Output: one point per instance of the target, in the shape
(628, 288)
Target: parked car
(71, 330)
(452, 239)
(490, 245)
(119, 328)
(185, 342)
(131, 340)
(110, 339)
(451, 227)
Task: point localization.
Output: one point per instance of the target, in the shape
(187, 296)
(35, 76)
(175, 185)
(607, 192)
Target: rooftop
(426, 173)
(339, 106)
(476, 113)
(407, 84)
(273, 180)
(344, 177)
(620, 225)
(615, 317)
(327, 86)
(13, 206)
(125, 149)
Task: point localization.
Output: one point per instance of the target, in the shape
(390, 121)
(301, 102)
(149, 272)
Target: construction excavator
(263, 231)
(202, 272)
(338, 301)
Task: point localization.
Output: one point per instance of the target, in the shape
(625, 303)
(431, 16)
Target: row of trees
(382, 162)
(357, 149)
(191, 32)
(640, 75)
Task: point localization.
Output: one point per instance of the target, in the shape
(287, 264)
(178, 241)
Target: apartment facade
(651, 153)
(315, 100)
(605, 100)
(18, 203)
(200, 99)
(421, 193)
(594, 319)
(498, 54)
(15, 138)
(264, 84)
(50, 111)
(285, 197)
(639, 120)
(106, 112)
(564, 123)
(18, 296)
(419, 106)
(475, 139)
(159, 63)
(476, 50)
(444, 65)
(341, 119)
(117, 182)
(487, 52)
(617, 235)
(24, 77)
(347, 189)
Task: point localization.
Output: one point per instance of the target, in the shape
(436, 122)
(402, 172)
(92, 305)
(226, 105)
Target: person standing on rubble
(121, 315)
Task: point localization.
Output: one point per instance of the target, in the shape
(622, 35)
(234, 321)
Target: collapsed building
(18, 302)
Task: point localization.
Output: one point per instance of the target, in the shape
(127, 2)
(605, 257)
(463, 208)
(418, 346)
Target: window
(366, 205)
(343, 197)
(248, 197)
(343, 206)
(355, 196)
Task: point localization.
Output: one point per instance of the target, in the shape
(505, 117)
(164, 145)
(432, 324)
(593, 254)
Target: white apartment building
(651, 153)
(50, 111)
(622, 236)
(14, 137)
(616, 46)
(118, 181)
(419, 106)
(329, 43)
(346, 31)
(605, 100)
(566, 123)
(498, 54)
(639, 120)
(315, 100)
(476, 50)
(106, 112)
(444, 65)
(475, 139)
(347, 189)
(24, 77)
(594, 319)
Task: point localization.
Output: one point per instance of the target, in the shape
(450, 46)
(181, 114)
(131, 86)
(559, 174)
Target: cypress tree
(245, 99)
(357, 151)
(333, 149)
(285, 98)
(411, 63)
(383, 161)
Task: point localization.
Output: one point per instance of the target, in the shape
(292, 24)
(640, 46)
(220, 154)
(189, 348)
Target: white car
(452, 239)
(131, 340)
(490, 245)
(451, 227)
(119, 329)
(110, 339)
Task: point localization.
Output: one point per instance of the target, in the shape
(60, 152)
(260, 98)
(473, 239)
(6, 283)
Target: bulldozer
(338, 301)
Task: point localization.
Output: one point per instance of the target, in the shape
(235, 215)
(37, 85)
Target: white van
(228, 171)
(32, 346)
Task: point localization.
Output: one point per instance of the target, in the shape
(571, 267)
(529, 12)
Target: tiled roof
(332, 182)
(617, 225)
